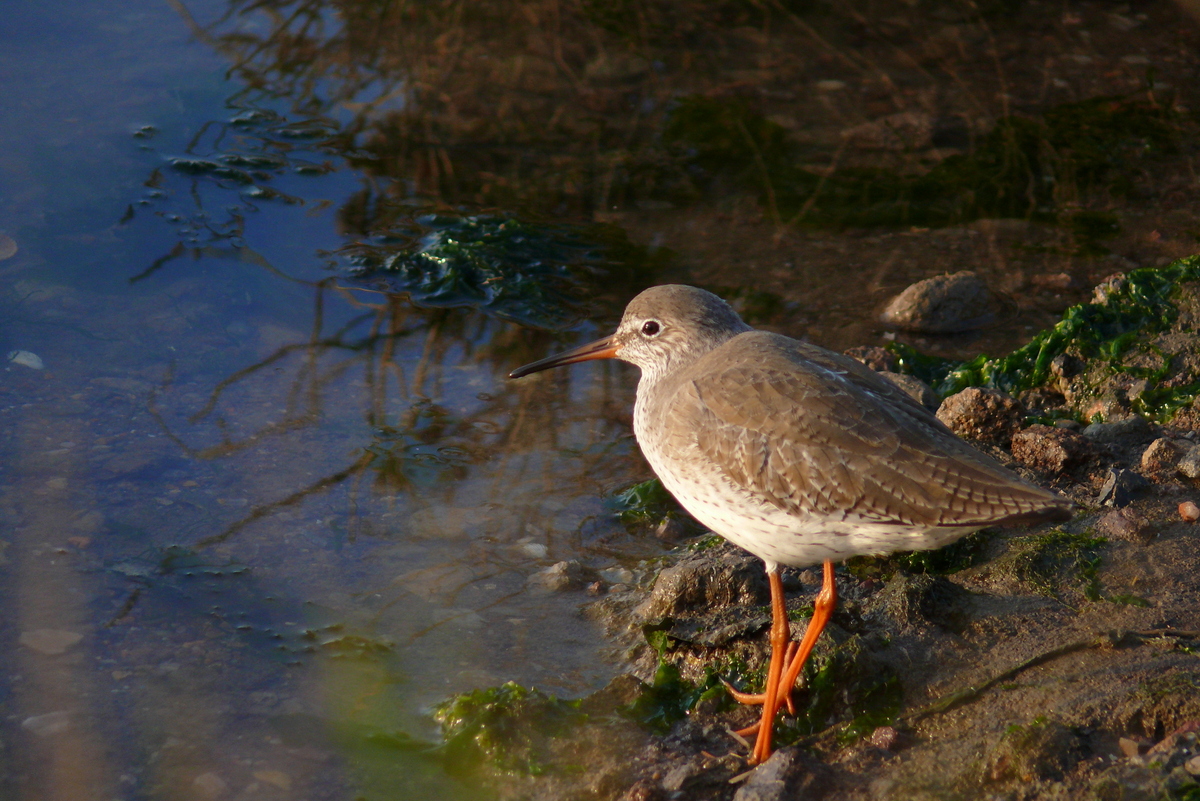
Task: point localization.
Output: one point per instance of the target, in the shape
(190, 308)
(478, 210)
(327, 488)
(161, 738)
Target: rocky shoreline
(1054, 662)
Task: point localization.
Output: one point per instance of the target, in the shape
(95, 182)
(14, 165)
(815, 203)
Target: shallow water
(258, 517)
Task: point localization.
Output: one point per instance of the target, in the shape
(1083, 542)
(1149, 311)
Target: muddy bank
(1048, 662)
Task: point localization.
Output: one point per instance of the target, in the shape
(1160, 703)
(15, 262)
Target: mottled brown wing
(813, 433)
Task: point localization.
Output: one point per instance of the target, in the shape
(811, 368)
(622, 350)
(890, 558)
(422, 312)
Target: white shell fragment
(24, 357)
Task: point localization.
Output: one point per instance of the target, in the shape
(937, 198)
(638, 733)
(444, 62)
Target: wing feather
(813, 433)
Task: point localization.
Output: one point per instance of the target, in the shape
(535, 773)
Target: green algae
(505, 727)
(670, 697)
(1050, 561)
(645, 503)
(1110, 335)
(958, 555)
(536, 274)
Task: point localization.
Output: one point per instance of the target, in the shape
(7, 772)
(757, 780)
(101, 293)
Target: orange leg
(797, 654)
(780, 636)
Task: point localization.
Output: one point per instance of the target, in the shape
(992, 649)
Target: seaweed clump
(536, 274)
(1108, 342)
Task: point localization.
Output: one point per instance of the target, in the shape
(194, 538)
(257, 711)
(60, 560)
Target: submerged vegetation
(1024, 167)
(537, 274)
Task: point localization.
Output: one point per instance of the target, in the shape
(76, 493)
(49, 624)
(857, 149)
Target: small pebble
(26, 359)
(884, 737)
(1131, 747)
(1189, 511)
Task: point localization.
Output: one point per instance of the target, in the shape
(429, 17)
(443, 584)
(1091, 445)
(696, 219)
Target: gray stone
(1131, 429)
(1189, 462)
(701, 583)
(680, 776)
(1120, 487)
(1161, 458)
(560, 577)
(942, 304)
(788, 775)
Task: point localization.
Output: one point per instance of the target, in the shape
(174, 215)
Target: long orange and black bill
(600, 349)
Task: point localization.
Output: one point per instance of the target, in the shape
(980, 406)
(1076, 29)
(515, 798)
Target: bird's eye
(651, 328)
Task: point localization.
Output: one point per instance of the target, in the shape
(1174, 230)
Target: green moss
(669, 697)
(1054, 559)
(1109, 333)
(958, 555)
(841, 684)
(507, 727)
(1127, 600)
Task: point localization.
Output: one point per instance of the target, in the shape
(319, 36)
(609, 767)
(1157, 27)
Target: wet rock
(560, 577)
(1106, 288)
(644, 790)
(1189, 511)
(1112, 404)
(701, 583)
(878, 359)
(1064, 365)
(1043, 399)
(789, 774)
(921, 600)
(1192, 766)
(1130, 430)
(915, 388)
(905, 131)
(683, 776)
(671, 529)
(1041, 750)
(1189, 462)
(1126, 524)
(1161, 457)
(942, 304)
(983, 414)
(1050, 449)
(26, 359)
(622, 691)
(1120, 487)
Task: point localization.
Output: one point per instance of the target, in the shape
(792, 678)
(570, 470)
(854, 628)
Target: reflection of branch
(266, 509)
(158, 263)
(199, 32)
